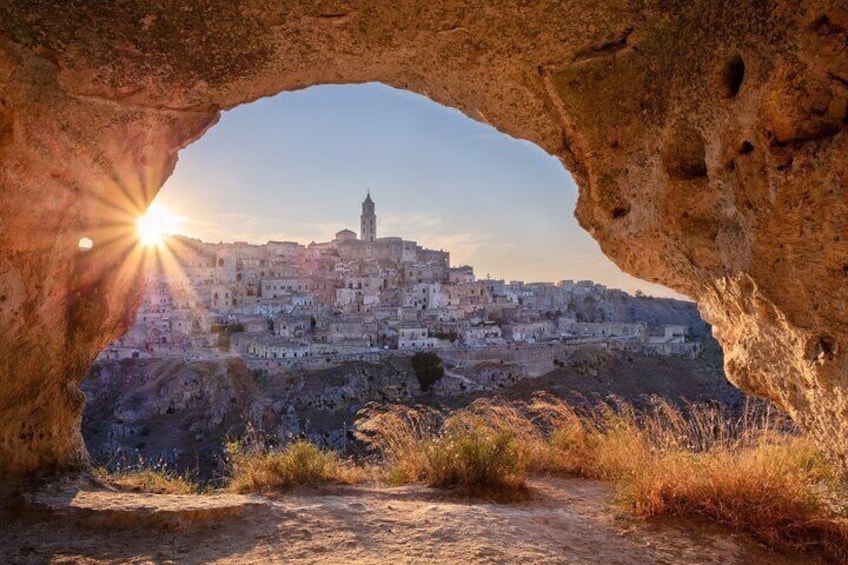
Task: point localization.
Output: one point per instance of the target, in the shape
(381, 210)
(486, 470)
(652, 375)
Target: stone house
(220, 297)
(483, 334)
(530, 332)
(608, 330)
(348, 331)
(668, 334)
(416, 337)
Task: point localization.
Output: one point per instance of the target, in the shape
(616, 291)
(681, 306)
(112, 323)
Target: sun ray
(156, 225)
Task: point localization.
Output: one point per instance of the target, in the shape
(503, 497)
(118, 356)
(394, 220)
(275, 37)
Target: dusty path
(566, 521)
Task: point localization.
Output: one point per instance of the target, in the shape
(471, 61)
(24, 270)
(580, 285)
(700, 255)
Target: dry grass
(150, 480)
(753, 472)
(471, 455)
(469, 449)
(773, 491)
(299, 463)
(398, 434)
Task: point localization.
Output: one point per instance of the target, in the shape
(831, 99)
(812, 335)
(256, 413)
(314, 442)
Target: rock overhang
(707, 138)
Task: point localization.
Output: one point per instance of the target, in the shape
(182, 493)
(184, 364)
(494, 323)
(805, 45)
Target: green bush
(428, 369)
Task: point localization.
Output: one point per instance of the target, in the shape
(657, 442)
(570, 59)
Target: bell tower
(368, 220)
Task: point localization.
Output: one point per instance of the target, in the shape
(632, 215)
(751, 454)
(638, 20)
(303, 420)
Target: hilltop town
(323, 303)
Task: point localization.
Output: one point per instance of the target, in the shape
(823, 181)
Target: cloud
(322, 230)
(408, 224)
(462, 245)
(254, 229)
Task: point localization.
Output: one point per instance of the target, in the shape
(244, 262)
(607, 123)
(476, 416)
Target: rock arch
(707, 137)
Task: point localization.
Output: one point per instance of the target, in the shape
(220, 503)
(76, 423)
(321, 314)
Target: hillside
(181, 413)
(658, 312)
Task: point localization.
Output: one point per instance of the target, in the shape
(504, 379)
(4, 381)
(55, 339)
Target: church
(367, 224)
(368, 245)
(368, 220)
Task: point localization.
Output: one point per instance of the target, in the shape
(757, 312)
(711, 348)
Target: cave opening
(249, 236)
(647, 105)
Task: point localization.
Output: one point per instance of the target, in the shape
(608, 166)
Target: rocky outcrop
(180, 414)
(658, 312)
(166, 412)
(707, 136)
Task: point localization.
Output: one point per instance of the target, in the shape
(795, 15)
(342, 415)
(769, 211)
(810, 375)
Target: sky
(296, 167)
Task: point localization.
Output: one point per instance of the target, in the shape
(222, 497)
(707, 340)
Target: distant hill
(659, 312)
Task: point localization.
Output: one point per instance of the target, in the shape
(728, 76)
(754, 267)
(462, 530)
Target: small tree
(428, 369)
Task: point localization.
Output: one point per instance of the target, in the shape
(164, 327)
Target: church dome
(345, 235)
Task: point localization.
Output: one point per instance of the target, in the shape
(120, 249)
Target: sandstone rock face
(707, 137)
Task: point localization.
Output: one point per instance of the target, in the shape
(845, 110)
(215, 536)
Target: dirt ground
(564, 521)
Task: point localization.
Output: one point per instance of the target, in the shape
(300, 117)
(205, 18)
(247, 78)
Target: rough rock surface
(567, 521)
(707, 137)
(180, 414)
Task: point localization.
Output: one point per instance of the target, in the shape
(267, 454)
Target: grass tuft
(299, 463)
(774, 491)
(472, 449)
(150, 480)
(471, 456)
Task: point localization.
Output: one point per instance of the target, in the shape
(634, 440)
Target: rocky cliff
(657, 312)
(181, 414)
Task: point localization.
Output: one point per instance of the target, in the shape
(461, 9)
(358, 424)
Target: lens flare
(156, 225)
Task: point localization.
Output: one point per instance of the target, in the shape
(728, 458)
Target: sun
(156, 225)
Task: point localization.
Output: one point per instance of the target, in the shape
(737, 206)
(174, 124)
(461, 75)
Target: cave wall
(707, 138)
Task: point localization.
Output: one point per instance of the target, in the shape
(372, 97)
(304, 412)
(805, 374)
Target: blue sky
(296, 166)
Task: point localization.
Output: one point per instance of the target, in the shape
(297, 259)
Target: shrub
(300, 463)
(428, 369)
(475, 459)
(467, 449)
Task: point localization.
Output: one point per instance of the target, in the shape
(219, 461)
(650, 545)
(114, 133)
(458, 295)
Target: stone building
(345, 235)
(608, 330)
(368, 220)
(415, 337)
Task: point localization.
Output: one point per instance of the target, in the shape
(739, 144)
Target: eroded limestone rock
(708, 139)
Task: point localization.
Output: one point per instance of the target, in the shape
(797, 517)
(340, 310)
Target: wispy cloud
(409, 223)
(323, 230)
(254, 229)
(462, 245)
